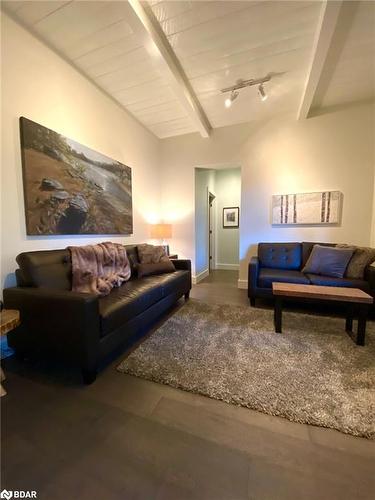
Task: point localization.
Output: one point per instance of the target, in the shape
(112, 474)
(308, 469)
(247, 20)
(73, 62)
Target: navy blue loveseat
(283, 262)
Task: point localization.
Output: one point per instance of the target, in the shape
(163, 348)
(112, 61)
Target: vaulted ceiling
(167, 61)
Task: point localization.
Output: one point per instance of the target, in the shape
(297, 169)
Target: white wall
(228, 194)
(331, 151)
(39, 85)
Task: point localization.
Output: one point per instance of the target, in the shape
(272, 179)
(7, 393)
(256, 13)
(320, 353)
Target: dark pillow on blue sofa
(328, 261)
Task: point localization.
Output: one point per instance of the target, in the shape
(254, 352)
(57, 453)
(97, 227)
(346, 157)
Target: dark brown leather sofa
(81, 328)
(283, 262)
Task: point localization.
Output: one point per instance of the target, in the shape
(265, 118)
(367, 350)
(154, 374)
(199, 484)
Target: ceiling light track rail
(241, 84)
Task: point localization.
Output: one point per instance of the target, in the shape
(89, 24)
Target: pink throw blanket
(99, 268)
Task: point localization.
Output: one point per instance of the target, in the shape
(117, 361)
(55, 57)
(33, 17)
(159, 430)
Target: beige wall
(327, 152)
(39, 85)
(228, 194)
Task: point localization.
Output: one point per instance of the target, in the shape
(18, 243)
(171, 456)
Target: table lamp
(162, 232)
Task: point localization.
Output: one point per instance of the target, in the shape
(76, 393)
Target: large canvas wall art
(70, 188)
(307, 208)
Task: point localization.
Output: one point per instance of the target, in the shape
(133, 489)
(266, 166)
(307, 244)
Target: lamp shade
(161, 231)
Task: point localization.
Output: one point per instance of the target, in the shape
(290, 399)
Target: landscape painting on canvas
(307, 208)
(71, 189)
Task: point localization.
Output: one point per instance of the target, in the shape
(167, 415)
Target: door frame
(211, 225)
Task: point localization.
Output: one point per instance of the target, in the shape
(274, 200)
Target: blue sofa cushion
(328, 261)
(268, 276)
(307, 247)
(280, 255)
(316, 279)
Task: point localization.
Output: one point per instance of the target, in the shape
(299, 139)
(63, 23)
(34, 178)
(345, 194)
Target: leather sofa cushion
(268, 276)
(46, 268)
(316, 279)
(135, 297)
(179, 280)
(280, 255)
(126, 302)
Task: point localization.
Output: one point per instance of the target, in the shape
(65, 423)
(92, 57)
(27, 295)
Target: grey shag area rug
(311, 373)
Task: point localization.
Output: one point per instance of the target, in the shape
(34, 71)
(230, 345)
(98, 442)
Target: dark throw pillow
(328, 261)
(153, 260)
(362, 257)
(155, 268)
(151, 254)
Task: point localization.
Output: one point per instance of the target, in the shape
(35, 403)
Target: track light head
(228, 101)
(262, 92)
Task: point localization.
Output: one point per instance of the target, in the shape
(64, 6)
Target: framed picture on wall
(70, 188)
(323, 207)
(231, 217)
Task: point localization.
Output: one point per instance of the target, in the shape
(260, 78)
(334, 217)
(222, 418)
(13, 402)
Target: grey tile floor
(127, 438)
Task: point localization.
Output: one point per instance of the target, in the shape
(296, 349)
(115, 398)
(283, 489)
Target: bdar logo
(6, 494)
(18, 494)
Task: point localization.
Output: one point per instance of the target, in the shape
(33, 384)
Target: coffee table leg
(278, 314)
(361, 332)
(349, 318)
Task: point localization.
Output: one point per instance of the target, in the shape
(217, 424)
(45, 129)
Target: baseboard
(242, 284)
(227, 267)
(200, 276)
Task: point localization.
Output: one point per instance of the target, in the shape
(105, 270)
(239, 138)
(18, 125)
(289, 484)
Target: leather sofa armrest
(64, 320)
(370, 277)
(182, 264)
(253, 273)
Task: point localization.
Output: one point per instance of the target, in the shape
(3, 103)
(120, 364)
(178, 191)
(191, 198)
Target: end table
(10, 319)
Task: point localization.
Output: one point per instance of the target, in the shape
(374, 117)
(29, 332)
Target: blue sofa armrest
(253, 274)
(370, 277)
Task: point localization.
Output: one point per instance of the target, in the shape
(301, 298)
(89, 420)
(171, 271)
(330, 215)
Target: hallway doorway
(217, 200)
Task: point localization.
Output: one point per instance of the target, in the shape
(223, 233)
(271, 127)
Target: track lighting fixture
(231, 98)
(241, 84)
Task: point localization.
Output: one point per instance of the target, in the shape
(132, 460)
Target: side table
(10, 319)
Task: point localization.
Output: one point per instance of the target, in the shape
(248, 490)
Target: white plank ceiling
(216, 42)
(352, 77)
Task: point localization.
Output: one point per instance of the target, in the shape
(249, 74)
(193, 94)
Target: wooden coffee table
(354, 297)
